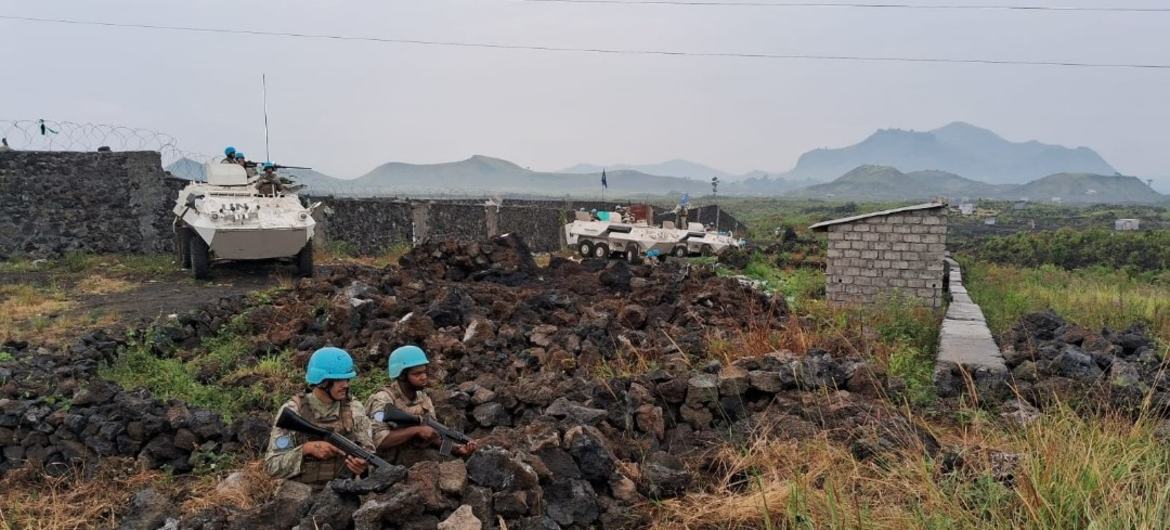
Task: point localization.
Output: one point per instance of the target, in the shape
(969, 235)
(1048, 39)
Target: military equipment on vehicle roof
(237, 216)
(294, 422)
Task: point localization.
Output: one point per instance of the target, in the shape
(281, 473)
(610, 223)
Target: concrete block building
(878, 254)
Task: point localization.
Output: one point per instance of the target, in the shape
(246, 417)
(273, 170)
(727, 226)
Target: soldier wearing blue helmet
(229, 155)
(407, 368)
(326, 403)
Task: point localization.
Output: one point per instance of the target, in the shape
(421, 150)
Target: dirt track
(155, 296)
(76, 302)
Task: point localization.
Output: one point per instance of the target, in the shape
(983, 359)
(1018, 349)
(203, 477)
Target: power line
(610, 51)
(867, 5)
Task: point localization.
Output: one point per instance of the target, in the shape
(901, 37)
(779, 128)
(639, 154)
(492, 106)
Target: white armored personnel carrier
(233, 216)
(610, 233)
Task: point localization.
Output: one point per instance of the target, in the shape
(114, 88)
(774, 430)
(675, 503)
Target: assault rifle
(451, 437)
(294, 422)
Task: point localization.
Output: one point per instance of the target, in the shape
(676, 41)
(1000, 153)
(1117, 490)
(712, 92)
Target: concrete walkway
(965, 342)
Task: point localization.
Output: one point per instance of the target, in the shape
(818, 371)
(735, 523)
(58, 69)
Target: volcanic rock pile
(1050, 357)
(588, 385)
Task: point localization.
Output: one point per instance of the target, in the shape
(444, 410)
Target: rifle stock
(294, 422)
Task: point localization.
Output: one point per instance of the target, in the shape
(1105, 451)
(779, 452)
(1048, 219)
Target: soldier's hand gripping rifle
(294, 422)
(451, 437)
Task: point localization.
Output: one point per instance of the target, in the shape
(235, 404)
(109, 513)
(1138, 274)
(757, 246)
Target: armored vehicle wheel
(183, 246)
(633, 256)
(305, 261)
(200, 257)
(679, 252)
(706, 251)
(585, 249)
(601, 251)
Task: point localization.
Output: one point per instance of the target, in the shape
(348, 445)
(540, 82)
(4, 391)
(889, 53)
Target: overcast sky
(345, 107)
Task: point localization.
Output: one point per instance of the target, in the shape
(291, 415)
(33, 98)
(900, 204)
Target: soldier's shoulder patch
(379, 415)
(283, 442)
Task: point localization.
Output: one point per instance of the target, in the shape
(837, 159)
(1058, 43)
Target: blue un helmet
(268, 165)
(229, 151)
(240, 155)
(329, 363)
(404, 358)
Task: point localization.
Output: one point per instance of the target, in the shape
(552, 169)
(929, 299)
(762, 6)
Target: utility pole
(715, 195)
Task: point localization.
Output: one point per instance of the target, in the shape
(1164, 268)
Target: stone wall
(878, 256)
(367, 226)
(52, 203)
(533, 223)
(465, 222)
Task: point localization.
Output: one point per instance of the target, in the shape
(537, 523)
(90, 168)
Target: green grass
(1092, 298)
(216, 378)
(5, 356)
(797, 285)
(80, 262)
(1146, 251)
(369, 381)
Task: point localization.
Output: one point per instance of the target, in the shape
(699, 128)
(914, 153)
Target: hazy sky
(344, 107)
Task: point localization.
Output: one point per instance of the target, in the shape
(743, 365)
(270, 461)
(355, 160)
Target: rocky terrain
(534, 361)
(1051, 358)
(592, 387)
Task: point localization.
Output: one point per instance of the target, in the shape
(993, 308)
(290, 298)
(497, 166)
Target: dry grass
(33, 500)
(340, 252)
(897, 335)
(30, 310)
(44, 314)
(251, 487)
(1073, 472)
(98, 284)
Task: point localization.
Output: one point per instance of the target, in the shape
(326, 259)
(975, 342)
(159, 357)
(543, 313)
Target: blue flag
(604, 184)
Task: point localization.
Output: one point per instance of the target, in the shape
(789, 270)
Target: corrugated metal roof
(926, 206)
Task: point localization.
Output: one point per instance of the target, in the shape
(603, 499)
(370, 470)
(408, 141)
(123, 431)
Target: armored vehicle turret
(238, 216)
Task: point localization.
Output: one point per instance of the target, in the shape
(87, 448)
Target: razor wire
(54, 135)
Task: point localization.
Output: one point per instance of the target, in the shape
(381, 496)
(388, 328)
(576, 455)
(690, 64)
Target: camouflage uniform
(285, 458)
(415, 450)
(269, 183)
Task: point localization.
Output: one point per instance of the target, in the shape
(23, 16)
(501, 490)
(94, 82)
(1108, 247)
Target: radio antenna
(264, 88)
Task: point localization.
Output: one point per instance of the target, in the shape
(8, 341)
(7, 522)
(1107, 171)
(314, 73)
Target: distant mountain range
(883, 183)
(958, 160)
(959, 148)
(675, 168)
(480, 175)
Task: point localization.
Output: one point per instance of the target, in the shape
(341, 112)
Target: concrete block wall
(966, 349)
(878, 256)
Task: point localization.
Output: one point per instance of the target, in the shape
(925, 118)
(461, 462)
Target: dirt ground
(58, 303)
(155, 296)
